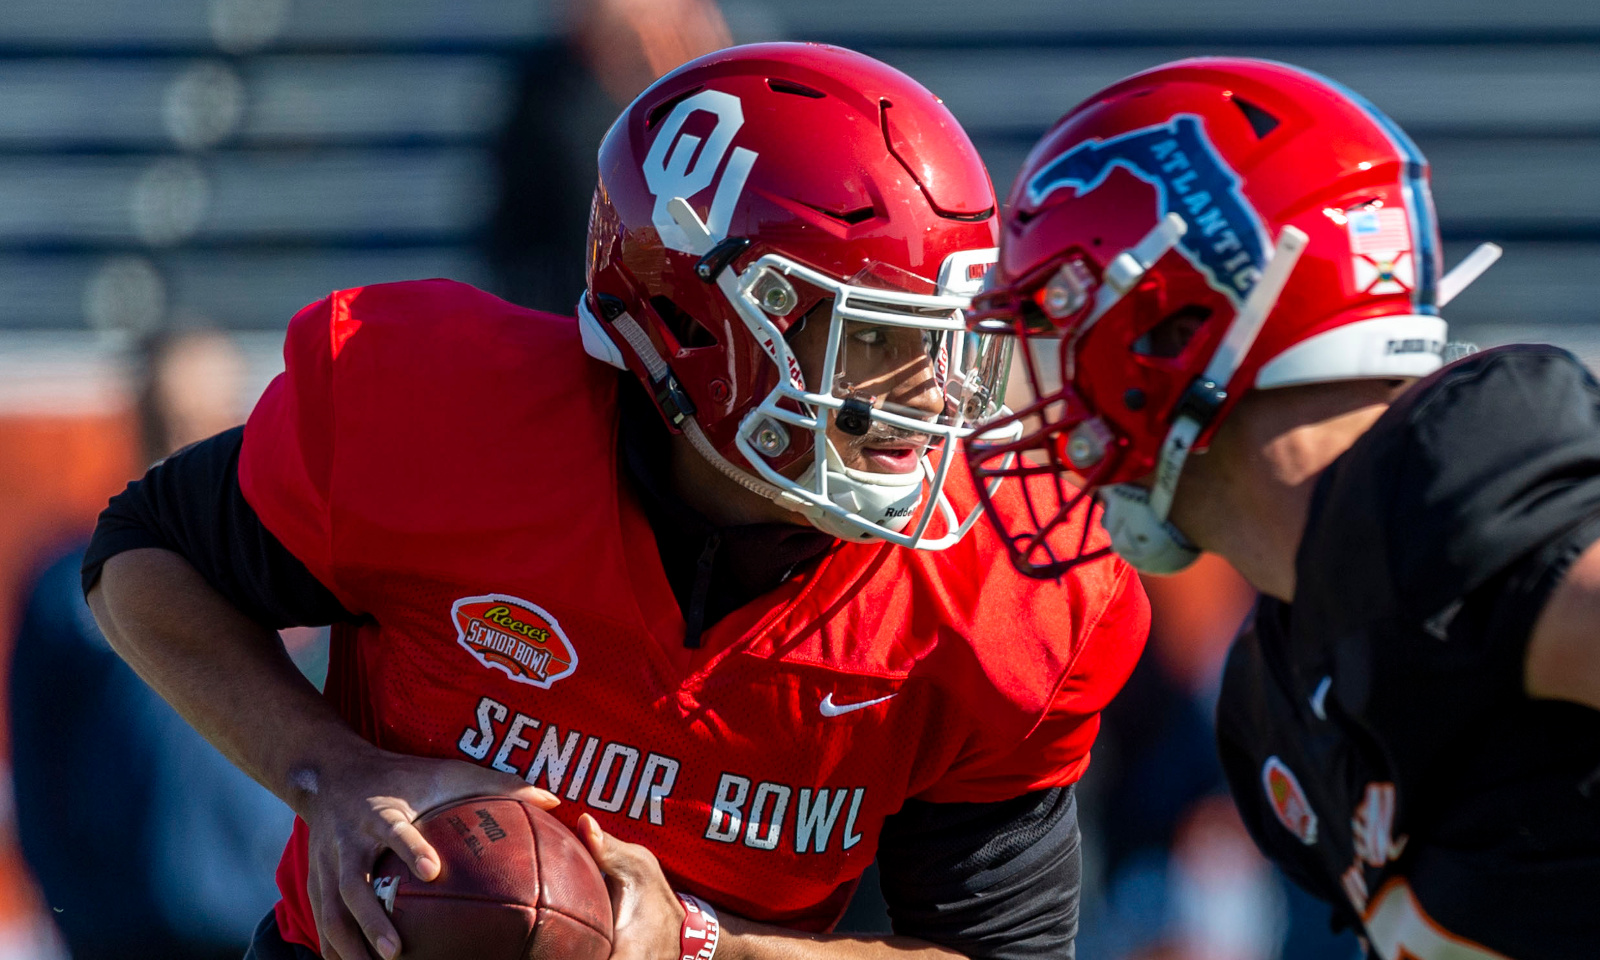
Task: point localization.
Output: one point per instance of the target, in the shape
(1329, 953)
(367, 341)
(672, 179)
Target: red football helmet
(766, 186)
(1190, 233)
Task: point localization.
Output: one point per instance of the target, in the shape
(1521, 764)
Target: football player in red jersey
(1241, 263)
(695, 564)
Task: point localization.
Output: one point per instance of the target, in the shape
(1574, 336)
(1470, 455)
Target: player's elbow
(1563, 658)
(131, 590)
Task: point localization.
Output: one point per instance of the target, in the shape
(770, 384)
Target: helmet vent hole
(660, 110)
(851, 217)
(1260, 120)
(688, 331)
(797, 89)
(1176, 330)
(978, 217)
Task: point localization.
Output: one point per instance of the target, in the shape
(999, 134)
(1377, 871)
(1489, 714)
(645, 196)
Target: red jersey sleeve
(1056, 751)
(286, 463)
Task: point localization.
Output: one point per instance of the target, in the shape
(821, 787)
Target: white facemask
(1148, 542)
(858, 505)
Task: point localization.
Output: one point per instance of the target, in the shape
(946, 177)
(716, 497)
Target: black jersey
(1375, 733)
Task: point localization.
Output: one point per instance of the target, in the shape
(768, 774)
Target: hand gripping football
(514, 884)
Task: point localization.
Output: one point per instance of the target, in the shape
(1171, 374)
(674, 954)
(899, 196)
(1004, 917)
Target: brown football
(514, 884)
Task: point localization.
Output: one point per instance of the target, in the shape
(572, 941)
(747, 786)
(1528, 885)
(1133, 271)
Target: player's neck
(1249, 496)
(716, 497)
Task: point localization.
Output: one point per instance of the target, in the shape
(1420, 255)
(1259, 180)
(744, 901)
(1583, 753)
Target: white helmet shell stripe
(1408, 345)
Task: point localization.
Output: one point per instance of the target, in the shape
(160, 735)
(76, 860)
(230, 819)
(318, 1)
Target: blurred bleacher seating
(234, 159)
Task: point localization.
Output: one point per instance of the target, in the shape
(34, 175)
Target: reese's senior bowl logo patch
(518, 638)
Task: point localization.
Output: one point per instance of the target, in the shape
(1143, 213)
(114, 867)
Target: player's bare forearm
(226, 674)
(747, 940)
(648, 917)
(1563, 661)
(231, 678)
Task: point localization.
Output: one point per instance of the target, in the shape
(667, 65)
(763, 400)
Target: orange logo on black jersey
(1289, 800)
(516, 637)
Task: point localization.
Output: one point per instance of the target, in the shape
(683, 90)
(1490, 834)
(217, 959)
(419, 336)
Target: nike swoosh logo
(831, 709)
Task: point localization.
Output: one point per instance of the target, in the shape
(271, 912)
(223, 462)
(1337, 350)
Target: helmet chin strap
(702, 445)
(700, 242)
(1151, 544)
(1136, 518)
(1207, 393)
(889, 499)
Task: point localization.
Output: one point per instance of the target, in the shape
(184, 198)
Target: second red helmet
(1196, 231)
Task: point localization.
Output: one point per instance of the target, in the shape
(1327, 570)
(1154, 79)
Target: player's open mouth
(894, 457)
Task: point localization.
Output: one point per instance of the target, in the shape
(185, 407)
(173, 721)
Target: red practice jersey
(447, 464)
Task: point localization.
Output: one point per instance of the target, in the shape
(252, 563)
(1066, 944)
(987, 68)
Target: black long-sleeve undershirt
(191, 503)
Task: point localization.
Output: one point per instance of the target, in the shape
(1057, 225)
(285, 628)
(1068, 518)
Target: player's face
(890, 367)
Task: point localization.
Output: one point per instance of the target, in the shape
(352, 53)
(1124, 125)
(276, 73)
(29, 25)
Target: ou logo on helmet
(678, 166)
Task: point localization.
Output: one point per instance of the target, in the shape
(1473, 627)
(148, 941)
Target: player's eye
(871, 336)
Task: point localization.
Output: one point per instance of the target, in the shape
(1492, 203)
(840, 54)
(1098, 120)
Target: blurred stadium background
(188, 164)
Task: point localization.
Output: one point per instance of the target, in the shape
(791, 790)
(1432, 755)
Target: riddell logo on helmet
(516, 637)
(1225, 241)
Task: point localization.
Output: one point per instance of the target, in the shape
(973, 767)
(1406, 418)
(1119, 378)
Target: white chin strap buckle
(1151, 544)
